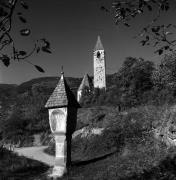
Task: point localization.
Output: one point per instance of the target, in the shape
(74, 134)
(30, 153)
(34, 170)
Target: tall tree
(164, 77)
(135, 78)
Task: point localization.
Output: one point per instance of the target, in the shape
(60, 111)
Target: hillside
(127, 132)
(128, 147)
(48, 82)
(7, 92)
(24, 105)
(132, 144)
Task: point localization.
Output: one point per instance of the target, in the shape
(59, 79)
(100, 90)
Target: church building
(86, 87)
(99, 68)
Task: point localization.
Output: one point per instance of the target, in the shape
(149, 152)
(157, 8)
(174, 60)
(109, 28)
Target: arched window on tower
(98, 54)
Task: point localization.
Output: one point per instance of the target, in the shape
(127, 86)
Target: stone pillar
(61, 155)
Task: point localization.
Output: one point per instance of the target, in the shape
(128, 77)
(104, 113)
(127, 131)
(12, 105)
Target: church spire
(62, 72)
(99, 45)
(62, 95)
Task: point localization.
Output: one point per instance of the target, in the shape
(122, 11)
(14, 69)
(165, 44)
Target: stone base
(58, 171)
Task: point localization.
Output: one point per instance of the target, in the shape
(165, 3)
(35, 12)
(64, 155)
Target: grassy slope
(139, 155)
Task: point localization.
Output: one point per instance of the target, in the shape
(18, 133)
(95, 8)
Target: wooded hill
(143, 132)
(137, 82)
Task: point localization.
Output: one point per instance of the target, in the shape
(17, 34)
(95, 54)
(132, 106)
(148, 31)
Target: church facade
(99, 72)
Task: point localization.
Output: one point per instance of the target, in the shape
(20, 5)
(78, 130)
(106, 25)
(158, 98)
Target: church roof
(62, 96)
(86, 82)
(99, 45)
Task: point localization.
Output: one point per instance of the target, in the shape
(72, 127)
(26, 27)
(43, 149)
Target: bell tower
(62, 108)
(99, 65)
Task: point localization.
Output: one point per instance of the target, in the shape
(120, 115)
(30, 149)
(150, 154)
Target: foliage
(135, 84)
(7, 98)
(138, 82)
(160, 36)
(7, 13)
(138, 89)
(29, 117)
(14, 129)
(130, 83)
(164, 76)
(135, 79)
(26, 103)
(138, 154)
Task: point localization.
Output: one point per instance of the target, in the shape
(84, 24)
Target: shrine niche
(57, 120)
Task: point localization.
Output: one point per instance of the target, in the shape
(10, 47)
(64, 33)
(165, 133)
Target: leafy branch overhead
(7, 11)
(159, 36)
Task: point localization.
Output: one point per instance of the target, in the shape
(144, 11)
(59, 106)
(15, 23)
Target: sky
(72, 27)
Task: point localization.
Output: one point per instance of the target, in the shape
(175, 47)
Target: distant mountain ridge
(47, 81)
(73, 82)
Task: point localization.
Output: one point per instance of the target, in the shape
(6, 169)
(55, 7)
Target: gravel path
(36, 153)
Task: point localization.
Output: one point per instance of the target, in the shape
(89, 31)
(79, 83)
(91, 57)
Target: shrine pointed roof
(62, 96)
(99, 45)
(86, 82)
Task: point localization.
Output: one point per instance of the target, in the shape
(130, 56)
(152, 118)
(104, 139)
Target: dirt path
(36, 153)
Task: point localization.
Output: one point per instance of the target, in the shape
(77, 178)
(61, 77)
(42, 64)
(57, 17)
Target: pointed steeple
(99, 45)
(62, 95)
(86, 82)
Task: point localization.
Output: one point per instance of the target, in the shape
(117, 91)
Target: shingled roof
(62, 96)
(99, 45)
(86, 82)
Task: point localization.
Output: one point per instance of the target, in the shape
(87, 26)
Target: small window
(98, 54)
